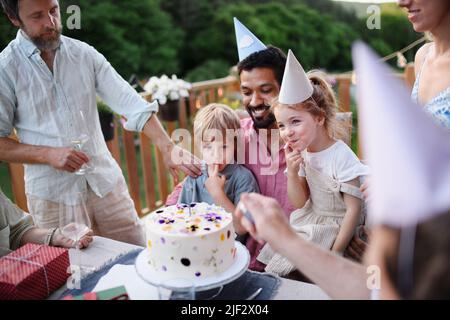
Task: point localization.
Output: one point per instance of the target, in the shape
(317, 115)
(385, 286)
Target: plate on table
(237, 269)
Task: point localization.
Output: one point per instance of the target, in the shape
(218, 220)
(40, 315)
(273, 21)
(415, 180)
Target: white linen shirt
(44, 108)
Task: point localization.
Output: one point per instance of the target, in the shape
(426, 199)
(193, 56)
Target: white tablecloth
(103, 250)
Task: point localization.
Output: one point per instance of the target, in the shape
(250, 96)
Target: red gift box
(33, 272)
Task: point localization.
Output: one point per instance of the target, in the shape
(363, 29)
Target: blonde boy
(223, 180)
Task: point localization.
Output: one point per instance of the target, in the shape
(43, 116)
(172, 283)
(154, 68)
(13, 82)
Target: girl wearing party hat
(323, 172)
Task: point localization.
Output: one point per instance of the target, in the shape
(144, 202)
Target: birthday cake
(190, 240)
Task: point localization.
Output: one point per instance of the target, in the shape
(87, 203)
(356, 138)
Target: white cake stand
(238, 268)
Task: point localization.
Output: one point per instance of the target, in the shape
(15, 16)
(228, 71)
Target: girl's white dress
(320, 219)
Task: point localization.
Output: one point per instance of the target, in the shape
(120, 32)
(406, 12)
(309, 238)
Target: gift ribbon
(23, 259)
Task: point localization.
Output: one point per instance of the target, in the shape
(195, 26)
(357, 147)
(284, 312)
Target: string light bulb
(401, 60)
(353, 77)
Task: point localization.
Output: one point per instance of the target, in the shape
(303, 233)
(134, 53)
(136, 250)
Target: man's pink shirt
(269, 172)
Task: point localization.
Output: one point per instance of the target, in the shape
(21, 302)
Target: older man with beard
(48, 89)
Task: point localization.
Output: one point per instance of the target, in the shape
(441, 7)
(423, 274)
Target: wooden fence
(149, 167)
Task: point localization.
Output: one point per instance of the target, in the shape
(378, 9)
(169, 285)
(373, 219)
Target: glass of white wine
(74, 221)
(78, 144)
(79, 141)
(176, 289)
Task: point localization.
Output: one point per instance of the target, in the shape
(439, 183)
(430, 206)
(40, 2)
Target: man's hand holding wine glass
(66, 159)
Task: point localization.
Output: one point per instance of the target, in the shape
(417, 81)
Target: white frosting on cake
(190, 241)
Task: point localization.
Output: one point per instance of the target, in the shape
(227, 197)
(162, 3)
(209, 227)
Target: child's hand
(294, 160)
(215, 184)
(358, 244)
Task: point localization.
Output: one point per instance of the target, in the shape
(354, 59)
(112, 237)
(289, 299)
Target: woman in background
(432, 62)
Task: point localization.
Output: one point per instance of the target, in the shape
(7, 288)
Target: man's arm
(65, 159)
(155, 131)
(140, 115)
(174, 156)
(319, 265)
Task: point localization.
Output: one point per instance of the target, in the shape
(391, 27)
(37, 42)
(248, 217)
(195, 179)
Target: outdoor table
(102, 250)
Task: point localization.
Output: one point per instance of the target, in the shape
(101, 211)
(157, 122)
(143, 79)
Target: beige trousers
(113, 216)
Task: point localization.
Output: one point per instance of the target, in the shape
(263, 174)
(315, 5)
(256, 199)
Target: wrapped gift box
(33, 272)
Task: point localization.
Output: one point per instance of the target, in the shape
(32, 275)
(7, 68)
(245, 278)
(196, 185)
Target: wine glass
(79, 141)
(176, 289)
(74, 221)
(78, 144)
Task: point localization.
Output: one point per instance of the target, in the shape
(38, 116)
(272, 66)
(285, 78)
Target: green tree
(152, 37)
(211, 69)
(192, 17)
(334, 9)
(7, 31)
(316, 38)
(136, 36)
(396, 33)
